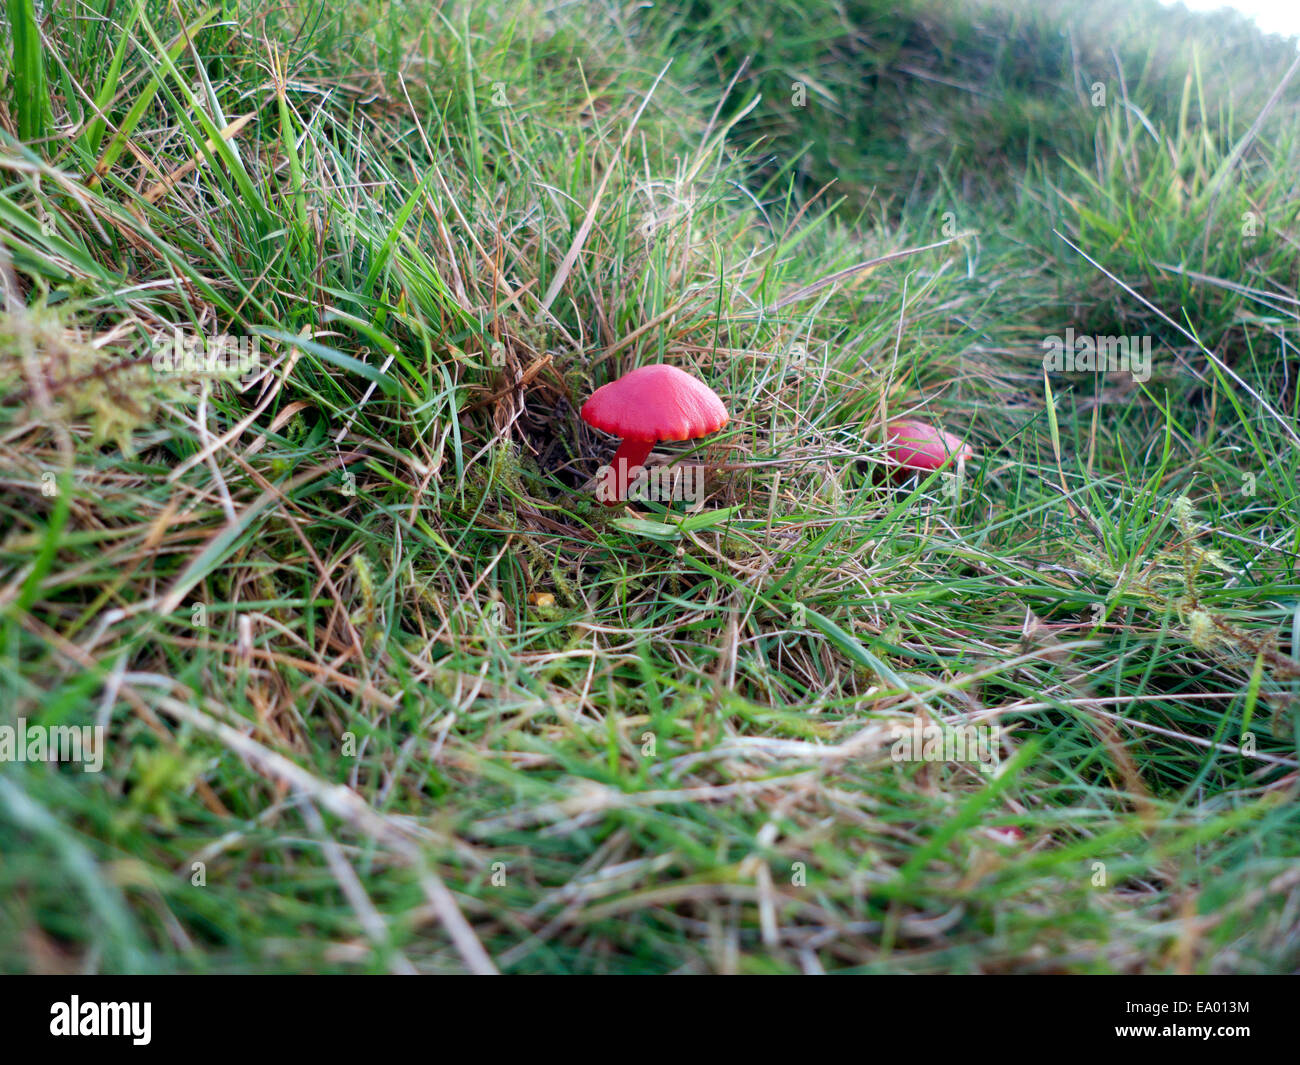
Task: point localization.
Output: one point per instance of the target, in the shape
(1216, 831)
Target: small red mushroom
(918, 446)
(645, 406)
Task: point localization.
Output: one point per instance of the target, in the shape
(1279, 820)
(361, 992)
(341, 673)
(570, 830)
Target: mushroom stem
(630, 454)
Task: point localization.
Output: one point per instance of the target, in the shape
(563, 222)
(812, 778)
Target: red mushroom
(918, 446)
(650, 404)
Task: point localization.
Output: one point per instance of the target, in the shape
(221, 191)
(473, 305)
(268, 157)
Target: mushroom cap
(918, 446)
(657, 402)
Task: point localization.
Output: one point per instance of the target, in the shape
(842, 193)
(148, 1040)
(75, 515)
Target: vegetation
(385, 689)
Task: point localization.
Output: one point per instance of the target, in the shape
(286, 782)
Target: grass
(385, 690)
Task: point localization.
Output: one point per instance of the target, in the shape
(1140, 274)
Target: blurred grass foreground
(317, 652)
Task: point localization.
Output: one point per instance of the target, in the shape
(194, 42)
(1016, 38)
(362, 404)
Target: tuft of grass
(384, 689)
(26, 75)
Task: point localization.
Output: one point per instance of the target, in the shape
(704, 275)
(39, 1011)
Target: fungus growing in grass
(917, 446)
(645, 406)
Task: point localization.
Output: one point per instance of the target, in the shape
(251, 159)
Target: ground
(383, 688)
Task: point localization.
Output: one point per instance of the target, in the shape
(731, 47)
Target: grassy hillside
(385, 689)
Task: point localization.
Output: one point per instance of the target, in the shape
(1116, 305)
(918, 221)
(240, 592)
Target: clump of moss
(55, 368)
